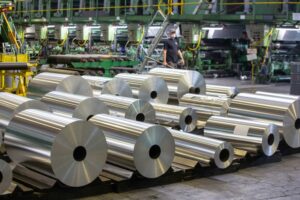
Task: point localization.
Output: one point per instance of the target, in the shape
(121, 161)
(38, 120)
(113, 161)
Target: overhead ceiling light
(213, 28)
(288, 28)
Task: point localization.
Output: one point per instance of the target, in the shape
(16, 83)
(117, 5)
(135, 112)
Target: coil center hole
(188, 119)
(140, 117)
(153, 94)
(297, 123)
(224, 155)
(194, 90)
(271, 139)
(154, 151)
(1, 177)
(79, 153)
(89, 117)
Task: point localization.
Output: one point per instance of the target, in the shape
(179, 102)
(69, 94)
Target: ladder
(157, 39)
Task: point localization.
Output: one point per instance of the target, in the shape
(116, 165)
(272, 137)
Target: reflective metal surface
(279, 95)
(6, 176)
(144, 147)
(202, 149)
(105, 85)
(129, 108)
(180, 81)
(146, 87)
(72, 105)
(282, 112)
(222, 91)
(170, 115)
(71, 150)
(47, 82)
(251, 136)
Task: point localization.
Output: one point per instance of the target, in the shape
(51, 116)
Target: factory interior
(150, 99)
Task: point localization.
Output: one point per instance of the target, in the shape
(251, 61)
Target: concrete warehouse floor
(270, 181)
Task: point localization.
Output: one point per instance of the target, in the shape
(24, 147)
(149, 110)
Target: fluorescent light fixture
(50, 26)
(213, 28)
(287, 29)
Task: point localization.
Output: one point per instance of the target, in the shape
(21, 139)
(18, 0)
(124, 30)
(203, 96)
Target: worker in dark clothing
(172, 55)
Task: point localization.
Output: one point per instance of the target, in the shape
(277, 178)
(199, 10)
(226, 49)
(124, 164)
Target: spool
(71, 105)
(68, 149)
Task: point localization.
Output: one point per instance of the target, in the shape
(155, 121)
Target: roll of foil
(279, 95)
(146, 148)
(6, 176)
(68, 149)
(72, 105)
(46, 82)
(282, 112)
(202, 149)
(176, 116)
(129, 108)
(146, 87)
(251, 136)
(181, 82)
(105, 85)
(205, 106)
(221, 91)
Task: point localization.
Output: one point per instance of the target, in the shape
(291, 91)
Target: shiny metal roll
(170, 115)
(129, 108)
(46, 82)
(72, 105)
(205, 106)
(180, 81)
(222, 91)
(279, 95)
(105, 85)
(202, 149)
(68, 149)
(146, 148)
(251, 136)
(6, 177)
(146, 87)
(282, 112)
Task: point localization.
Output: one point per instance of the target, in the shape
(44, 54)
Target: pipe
(13, 66)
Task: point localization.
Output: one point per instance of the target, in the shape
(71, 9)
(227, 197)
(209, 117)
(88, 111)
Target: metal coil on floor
(282, 112)
(146, 148)
(147, 87)
(180, 81)
(247, 135)
(72, 105)
(129, 108)
(202, 149)
(6, 176)
(68, 149)
(279, 95)
(221, 91)
(176, 116)
(105, 85)
(205, 106)
(46, 82)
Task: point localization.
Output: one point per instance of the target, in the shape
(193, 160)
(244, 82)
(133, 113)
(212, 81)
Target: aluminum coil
(48, 82)
(146, 148)
(129, 108)
(279, 95)
(203, 149)
(223, 91)
(176, 116)
(251, 136)
(105, 85)
(68, 149)
(282, 112)
(6, 176)
(72, 105)
(205, 106)
(180, 81)
(147, 88)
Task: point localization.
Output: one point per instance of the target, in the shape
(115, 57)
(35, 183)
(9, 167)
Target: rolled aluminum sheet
(205, 106)
(251, 136)
(219, 90)
(11, 104)
(129, 108)
(72, 105)
(147, 87)
(48, 82)
(6, 177)
(282, 112)
(279, 95)
(202, 149)
(170, 115)
(105, 85)
(180, 81)
(146, 148)
(68, 149)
